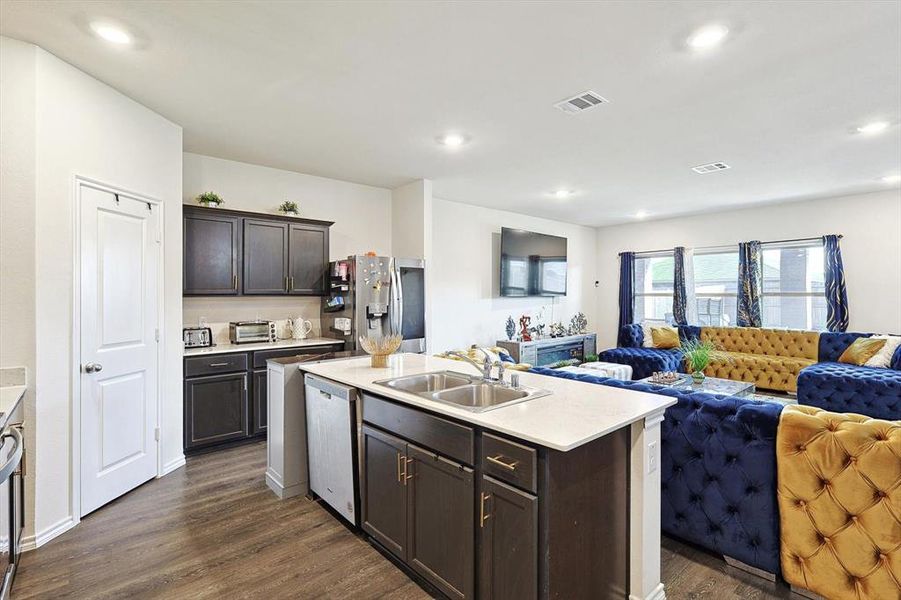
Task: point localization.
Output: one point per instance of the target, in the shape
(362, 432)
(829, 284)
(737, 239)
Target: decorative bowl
(380, 348)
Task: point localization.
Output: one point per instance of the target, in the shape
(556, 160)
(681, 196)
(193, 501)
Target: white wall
(411, 218)
(17, 183)
(871, 249)
(465, 305)
(362, 216)
(85, 128)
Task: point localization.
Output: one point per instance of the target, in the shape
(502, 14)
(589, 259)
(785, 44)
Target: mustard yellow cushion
(665, 337)
(861, 350)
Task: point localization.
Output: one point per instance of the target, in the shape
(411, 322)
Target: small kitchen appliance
(197, 337)
(248, 332)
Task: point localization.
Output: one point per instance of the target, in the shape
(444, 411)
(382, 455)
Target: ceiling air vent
(581, 102)
(710, 167)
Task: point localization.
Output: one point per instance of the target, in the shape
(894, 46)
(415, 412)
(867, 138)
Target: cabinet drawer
(261, 356)
(444, 437)
(511, 462)
(216, 363)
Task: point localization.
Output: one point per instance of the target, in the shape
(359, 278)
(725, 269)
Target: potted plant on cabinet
(289, 208)
(210, 200)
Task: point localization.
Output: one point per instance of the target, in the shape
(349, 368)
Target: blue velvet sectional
(828, 384)
(718, 470)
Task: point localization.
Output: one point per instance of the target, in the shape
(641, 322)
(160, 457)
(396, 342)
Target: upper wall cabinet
(239, 253)
(212, 254)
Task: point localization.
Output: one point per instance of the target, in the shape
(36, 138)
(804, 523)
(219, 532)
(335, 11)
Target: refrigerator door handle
(400, 301)
(393, 303)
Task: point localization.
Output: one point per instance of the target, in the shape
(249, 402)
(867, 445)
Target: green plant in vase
(698, 355)
(289, 208)
(210, 199)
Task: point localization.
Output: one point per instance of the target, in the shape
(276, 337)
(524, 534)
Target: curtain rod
(808, 239)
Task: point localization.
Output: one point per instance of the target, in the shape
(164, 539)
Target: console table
(547, 350)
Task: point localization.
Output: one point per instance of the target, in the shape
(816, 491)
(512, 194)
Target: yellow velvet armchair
(769, 358)
(839, 493)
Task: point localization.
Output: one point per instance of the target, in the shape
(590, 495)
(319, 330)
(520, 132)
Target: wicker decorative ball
(380, 348)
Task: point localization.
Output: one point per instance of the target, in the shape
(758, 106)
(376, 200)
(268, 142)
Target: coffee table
(713, 385)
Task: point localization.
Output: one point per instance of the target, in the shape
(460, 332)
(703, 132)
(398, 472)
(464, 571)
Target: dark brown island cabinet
(478, 515)
(225, 395)
(237, 253)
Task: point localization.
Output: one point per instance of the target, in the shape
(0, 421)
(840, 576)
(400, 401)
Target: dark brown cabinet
(385, 490)
(440, 536)
(215, 409)
(508, 542)
(260, 382)
(212, 254)
(307, 259)
(236, 253)
(265, 257)
(419, 506)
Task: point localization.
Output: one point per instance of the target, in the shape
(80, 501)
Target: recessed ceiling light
(452, 140)
(874, 127)
(641, 214)
(708, 37)
(111, 33)
(891, 178)
(563, 193)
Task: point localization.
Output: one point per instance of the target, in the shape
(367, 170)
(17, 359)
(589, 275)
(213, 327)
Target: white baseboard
(656, 594)
(42, 537)
(176, 463)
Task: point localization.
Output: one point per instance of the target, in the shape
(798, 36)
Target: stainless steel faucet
(484, 368)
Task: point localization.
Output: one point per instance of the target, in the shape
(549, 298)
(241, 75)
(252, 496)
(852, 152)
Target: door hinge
(156, 433)
(156, 334)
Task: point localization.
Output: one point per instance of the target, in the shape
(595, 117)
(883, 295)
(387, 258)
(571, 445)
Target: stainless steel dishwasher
(331, 444)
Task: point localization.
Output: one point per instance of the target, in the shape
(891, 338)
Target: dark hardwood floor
(214, 530)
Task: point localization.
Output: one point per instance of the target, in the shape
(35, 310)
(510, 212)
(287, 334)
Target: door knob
(93, 367)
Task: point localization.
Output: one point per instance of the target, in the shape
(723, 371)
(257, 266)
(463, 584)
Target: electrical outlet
(652, 457)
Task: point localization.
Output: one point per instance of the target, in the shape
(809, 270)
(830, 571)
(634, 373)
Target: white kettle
(300, 328)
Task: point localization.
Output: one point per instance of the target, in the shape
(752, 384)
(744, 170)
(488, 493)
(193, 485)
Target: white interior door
(119, 302)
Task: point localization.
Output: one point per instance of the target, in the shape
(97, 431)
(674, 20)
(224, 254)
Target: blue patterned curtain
(680, 296)
(626, 282)
(836, 293)
(749, 284)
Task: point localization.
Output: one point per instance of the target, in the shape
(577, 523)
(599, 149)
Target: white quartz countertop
(279, 345)
(573, 414)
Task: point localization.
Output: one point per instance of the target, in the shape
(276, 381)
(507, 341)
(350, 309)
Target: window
(653, 287)
(715, 287)
(794, 283)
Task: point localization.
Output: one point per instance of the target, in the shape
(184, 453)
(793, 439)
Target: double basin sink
(471, 393)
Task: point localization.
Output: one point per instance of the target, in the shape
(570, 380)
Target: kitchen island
(554, 497)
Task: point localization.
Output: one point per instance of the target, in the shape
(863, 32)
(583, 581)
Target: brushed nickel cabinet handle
(511, 466)
(225, 364)
(235, 282)
(483, 516)
(292, 284)
(407, 475)
(399, 476)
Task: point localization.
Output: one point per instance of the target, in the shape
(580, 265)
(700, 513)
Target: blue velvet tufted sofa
(827, 384)
(718, 470)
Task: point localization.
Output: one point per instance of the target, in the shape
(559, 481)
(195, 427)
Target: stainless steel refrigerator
(375, 296)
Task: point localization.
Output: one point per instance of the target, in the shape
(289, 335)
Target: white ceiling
(359, 90)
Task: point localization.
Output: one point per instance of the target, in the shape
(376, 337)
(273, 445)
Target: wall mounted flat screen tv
(532, 264)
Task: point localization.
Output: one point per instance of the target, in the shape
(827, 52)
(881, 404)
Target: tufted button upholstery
(840, 387)
(779, 343)
(846, 544)
(631, 336)
(644, 361)
(718, 470)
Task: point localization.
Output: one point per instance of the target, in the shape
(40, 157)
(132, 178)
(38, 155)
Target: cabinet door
(384, 490)
(307, 259)
(215, 409)
(440, 525)
(260, 382)
(265, 257)
(212, 254)
(508, 557)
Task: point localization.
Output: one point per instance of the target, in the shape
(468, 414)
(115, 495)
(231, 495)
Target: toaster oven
(246, 332)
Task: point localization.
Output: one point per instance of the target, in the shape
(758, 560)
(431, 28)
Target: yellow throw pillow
(666, 337)
(862, 350)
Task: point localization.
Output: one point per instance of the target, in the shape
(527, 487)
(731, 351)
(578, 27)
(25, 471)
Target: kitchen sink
(428, 382)
(463, 391)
